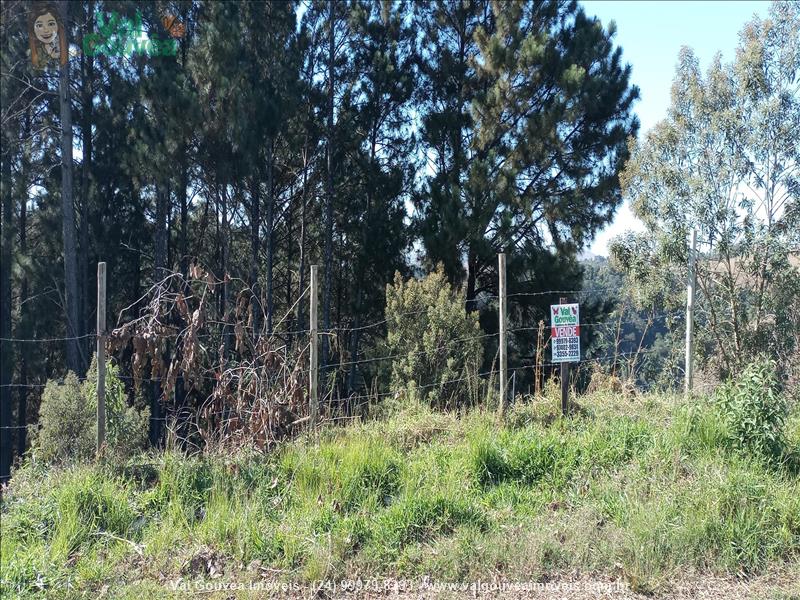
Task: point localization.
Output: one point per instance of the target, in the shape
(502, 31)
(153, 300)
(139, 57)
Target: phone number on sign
(364, 585)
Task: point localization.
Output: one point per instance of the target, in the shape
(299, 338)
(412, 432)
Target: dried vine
(249, 387)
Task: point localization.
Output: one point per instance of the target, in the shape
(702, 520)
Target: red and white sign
(566, 331)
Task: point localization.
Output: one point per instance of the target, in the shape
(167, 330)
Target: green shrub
(754, 410)
(437, 342)
(126, 426)
(68, 419)
(67, 427)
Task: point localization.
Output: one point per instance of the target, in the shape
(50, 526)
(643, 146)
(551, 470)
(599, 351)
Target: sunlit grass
(645, 485)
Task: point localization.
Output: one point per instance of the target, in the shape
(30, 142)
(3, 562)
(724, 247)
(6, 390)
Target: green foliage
(182, 489)
(532, 456)
(418, 517)
(754, 410)
(352, 475)
(725, 162)
(89, 503)
(653, 491)
(215, 155)
(126, 426)
(67, 423)
(518, 99)
(68, 419)
(526, 458)
(437, 341)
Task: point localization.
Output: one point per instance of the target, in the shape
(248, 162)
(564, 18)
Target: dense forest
(256, 139)
(211, 153)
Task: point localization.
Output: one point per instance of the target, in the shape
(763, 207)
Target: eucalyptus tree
(726, 161)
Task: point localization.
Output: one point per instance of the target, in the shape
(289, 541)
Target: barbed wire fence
(305, 341)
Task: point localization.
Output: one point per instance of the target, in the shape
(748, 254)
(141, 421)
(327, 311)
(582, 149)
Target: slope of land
(631, 496)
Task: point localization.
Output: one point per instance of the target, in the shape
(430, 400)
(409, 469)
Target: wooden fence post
(564, 379)
(314, 357)
(690, 287)
(101, 356)
(501, 270)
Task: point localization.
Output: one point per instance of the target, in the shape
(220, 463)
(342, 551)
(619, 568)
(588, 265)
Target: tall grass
(651, 488)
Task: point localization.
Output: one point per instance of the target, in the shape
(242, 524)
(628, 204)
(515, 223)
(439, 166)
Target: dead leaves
(254, 384)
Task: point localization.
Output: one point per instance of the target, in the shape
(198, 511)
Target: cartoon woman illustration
(47, 36)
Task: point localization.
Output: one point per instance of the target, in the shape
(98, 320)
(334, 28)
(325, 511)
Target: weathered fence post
(101, 356)
(314, 357)
(501, 271)
(690, 286)
(564, 378)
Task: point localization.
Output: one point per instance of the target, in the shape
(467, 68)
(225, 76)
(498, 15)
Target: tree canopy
(726, 162)
(258, 138)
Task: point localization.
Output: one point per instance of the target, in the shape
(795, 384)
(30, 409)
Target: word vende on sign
(565, 331)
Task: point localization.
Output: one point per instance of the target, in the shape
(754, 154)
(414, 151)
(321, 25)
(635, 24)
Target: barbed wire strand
(610, 322)
(331, 331)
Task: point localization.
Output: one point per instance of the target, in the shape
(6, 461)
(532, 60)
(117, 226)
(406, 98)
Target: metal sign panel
(565, 332)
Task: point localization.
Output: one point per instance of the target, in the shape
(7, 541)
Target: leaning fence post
(314, 359)
(501, 270)
(690, 286)
(101, 356)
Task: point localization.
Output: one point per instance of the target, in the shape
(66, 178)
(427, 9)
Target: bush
(436, 339)
(126, 426)
(67, 428)
(754, 410)
(68, 419)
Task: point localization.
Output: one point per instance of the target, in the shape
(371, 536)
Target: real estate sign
(565, 332)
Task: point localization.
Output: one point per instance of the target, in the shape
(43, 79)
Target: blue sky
(651, 34)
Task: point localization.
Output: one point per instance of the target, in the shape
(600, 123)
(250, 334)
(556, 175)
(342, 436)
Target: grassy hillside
(643, 490)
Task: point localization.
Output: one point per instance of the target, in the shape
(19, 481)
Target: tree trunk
(160, 250)
(302, 275)
(225, 241)
(472, 268)
(355, 339)
(136, 283)
(75, 359)
(22, 398)
(6, 347)
(289, 244)
(184, 204)
(87, 77)
(361, 266)
(269, 225)
(159, 272)
(326, 294)
(184, 180)
(255, 248)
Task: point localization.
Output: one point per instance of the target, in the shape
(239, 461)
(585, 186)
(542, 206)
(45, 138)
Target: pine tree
(383, 56)
(76, 361)
(526, 118)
